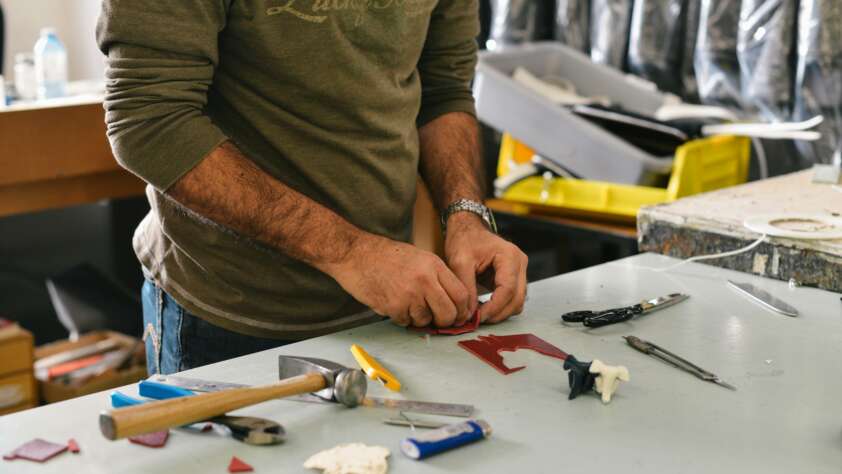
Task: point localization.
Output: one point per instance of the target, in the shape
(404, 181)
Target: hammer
(326, 379)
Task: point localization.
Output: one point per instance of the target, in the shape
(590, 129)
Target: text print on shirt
(317, 11)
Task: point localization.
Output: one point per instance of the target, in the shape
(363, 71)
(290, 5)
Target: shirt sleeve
(449, 59)
(160, 61)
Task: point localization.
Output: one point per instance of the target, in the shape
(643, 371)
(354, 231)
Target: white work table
(784, 418)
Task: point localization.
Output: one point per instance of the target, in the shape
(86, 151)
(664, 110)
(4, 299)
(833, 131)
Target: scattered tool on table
(595, 319)
(354, 458)
(37, 450)
(415, 406)
(582, 376)
(659, 352)
(73, 446)
(413, 422)
(155, 439)
(470, 325)
(336, 382)
(237, 465)
(445, 438)
(374, 370)
(764, 298)
(297, 366)
(248, 429)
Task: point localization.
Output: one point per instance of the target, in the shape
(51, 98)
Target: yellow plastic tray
(699, 166)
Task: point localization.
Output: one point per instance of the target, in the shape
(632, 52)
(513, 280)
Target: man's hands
(411, 286)
(416, 288)
(470, 250)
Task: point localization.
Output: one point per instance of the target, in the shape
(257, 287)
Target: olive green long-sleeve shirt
(324, 95)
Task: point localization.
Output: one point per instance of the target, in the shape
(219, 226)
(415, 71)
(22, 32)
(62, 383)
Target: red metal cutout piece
(470, 326)
(36, 450)
(237, 465)
(153, 440)
(488, 348)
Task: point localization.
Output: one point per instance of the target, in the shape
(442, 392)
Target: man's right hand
(411, 286)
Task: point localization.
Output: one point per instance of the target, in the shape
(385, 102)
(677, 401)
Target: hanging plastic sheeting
(716, 64)
(484, 22)
(818, 83)
(656, 42)
(519, 21)
(690, 89)
(573, 24)
(610, 22)
(765, 47)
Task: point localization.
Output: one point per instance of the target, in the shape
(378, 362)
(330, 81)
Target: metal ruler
(410, 406)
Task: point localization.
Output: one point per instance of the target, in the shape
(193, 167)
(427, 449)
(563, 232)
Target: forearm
(229, 189)
(450, 158)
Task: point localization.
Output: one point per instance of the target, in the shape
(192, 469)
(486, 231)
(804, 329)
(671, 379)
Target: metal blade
(196, 385)
(412, 423)
(722, 383)
(427, 408)
(662, 302)
(764, 298)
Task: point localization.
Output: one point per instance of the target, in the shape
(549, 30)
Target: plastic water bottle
(50, 65)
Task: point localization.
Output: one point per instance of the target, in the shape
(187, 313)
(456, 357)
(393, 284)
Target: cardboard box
(17, 392)
(16, 351)
(52, 391)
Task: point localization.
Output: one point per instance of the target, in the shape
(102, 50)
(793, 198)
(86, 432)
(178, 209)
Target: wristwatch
(466, 205)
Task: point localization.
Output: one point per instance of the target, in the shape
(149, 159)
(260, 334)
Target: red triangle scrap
(237, 465)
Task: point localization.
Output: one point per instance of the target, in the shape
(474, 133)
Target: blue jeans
(177, 340)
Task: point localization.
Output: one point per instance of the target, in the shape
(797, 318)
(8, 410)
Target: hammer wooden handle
(160, 415)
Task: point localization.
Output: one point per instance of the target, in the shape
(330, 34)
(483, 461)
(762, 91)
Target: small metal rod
(408, 419)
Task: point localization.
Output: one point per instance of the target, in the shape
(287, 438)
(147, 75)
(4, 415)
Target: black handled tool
(595, 319)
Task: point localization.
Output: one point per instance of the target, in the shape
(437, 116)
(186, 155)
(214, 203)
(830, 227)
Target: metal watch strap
(467, 205)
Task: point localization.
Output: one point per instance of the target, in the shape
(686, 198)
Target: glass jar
(25, 81)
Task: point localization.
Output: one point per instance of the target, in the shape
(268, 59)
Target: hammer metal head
(344, 385)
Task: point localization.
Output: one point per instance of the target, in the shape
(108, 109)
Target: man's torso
(323, 95)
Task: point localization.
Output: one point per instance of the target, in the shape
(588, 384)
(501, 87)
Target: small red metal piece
(36, 450)
(470, 326)
(73, 446)
(488, 348)
(237, 465)
(153, 440)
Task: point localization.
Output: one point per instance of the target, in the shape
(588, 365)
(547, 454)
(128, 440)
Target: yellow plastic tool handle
(374, 370)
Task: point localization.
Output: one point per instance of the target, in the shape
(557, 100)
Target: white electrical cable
(731, 253)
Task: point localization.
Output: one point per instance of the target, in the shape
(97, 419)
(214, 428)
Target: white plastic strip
(782, 130)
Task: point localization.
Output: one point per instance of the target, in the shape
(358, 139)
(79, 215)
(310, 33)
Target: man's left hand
(472, 250)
